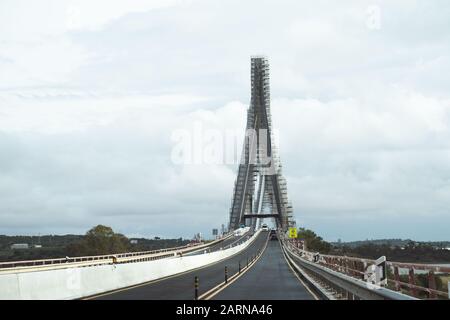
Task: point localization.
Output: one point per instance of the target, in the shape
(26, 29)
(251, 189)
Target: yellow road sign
(292, 233)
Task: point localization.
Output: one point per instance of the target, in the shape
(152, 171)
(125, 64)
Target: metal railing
(405, 278)
(127, 257)
(46, 262)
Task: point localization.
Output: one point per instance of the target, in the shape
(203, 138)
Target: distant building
(157, 238)
(134, 241)
(20, 246)
(37, 246)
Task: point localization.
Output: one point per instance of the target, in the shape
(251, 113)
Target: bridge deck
(181, 287)
(233, 240)
(269, 279)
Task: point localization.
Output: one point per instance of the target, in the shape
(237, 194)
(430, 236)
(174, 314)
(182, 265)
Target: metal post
(432, 284)
(397, 279)
(239, 266)
(196, 288)
(412, 281)
(226, 274)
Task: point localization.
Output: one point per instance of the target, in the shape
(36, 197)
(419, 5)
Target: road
(181, 287)
(269, 279)
(233, 240)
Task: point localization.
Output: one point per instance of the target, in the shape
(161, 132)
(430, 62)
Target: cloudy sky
(91, 93)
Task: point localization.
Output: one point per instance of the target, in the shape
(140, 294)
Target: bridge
(249, 262)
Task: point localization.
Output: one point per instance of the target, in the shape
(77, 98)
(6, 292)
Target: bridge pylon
(260, 185)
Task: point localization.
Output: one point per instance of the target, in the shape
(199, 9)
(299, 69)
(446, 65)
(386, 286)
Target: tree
(100, 240)
(313, 241)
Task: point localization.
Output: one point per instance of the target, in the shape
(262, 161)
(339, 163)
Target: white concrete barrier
(78, 282)
(241, 231)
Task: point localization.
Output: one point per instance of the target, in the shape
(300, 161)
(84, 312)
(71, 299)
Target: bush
(313, 241)
(100, 240)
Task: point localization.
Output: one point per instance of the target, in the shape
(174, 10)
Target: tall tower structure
(260, 189)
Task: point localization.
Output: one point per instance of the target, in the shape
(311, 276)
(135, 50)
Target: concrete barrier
(78, 282)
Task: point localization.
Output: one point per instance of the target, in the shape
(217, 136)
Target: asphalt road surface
(269, 279)
(181, 287)
(233, 240)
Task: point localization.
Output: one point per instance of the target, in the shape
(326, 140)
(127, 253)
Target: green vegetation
(394, 249)
(392, 243)
(53, 246)
(100, 240)
(414, 252)
(97, 241)
(313, 242)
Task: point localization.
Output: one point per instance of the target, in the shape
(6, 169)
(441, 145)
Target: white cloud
(103, 158)
(85, 14)
(47, 63)
(369, 160)
(23, 20)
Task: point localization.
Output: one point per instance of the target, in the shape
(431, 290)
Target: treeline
(392, 243)
(49, 241)
(100, 240)
(313, 242)
(414, 252)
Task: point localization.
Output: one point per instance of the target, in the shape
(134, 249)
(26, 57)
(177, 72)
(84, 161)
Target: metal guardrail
(345, 285)
(356, 269)
(84, 261)
(44, 262)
